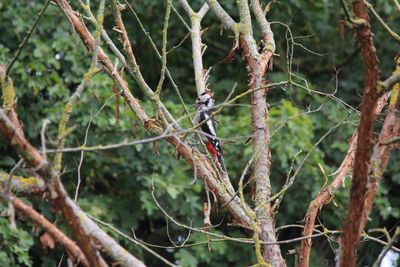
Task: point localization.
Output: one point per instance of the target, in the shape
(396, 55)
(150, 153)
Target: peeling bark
(57, 193)
(354, 226)
(327, 194)
(262, 155)
(72, 249)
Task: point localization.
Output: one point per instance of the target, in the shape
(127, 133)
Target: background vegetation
(116, 186)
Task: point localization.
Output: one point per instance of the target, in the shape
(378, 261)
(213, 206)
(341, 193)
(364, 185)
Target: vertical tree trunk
(354, 225)
(262, 156)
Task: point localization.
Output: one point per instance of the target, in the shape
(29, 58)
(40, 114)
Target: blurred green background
(116, 183)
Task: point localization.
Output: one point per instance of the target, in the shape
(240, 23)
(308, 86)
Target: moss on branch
(7, 89)
(28, 184)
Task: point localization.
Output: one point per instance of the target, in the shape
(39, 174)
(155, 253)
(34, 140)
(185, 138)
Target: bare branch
(203, 10)
(132, 65)
(222, 15)
(327, 193)
(65, 116)
(111, 247)
(113, 228)
(387, 84)
(203, 168)
(379, 241)
(380, 154)
(257, 66)
(81, 161)
(197, 53)
(27, 36)
(164, 49)
(354, 224)
(153, 45)
(34, 160)
(73, 250)
(245, 17)
(186, 7)
(268, 35)
(77, 219)
(382, 22)
(22, 184)
(397, 4)
(195, 33)
(14, 135)
(388, 247)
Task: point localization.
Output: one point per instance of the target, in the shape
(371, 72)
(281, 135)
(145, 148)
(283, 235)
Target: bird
(208, 133)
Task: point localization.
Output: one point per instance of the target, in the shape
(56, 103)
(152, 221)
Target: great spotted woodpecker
(204, 104)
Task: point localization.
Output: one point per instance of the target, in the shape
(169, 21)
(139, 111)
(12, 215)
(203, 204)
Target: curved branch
(197, 160)
(78, 221)
(222, 15)
(186, 7)
(268, 35)
(131, 63)
(73, 250)
(327, 194)
(27, 36)
(58, 195)
(382, 22)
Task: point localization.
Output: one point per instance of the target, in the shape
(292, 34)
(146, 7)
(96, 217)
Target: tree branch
(397, 4)
(132, 65)
(153, 45)
(185, 5)
(327, 193)
(27, 36)
(380, 154)
(382, 22)
(268, 35)
(222, 15)
(388, 247)
(58, 194)
(22, 184)
(353, 227)
(111, 247)
(81, 225)
(195, 159)
(73, 250)
(195, 34)
(257, 67)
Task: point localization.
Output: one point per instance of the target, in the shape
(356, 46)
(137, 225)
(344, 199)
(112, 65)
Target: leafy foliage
(14, 245)
(117, 184)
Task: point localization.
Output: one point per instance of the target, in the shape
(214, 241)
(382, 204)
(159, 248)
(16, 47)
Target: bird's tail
(221, 163)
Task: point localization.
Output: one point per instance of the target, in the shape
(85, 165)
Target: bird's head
(205, 100)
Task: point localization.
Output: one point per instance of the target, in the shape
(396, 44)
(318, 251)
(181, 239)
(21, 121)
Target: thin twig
(13, 170)
(292, 178)
(45, 123)
(391, 241)
(132, 240)
(153, 45)
(382, 22)
(62, 126)
(164, 48)
(81, 160)
(27, 36)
